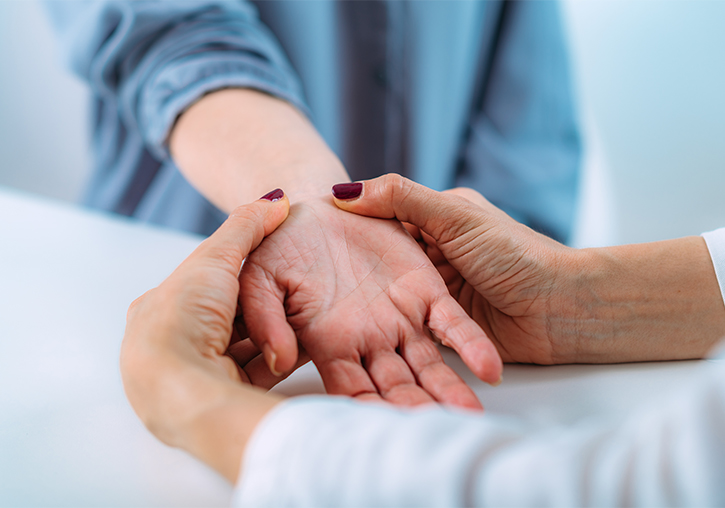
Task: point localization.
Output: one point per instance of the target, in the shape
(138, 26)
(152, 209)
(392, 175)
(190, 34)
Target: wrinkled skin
(517, 281)
(359, 296)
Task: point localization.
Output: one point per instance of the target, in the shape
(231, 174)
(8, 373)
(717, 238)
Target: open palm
(361, 298)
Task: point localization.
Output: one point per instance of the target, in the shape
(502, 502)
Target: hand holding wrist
(180, 374)
(500, 271)
(542, 302)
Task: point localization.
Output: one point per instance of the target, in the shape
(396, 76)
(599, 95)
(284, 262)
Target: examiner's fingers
(393, 196)
(242, 232)
(253, 365)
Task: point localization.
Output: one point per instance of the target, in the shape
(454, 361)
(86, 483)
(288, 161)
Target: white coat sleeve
(326, 451)
(715, 241)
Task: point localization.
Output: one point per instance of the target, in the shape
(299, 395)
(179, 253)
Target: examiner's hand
(500, 271)
(180, 374)
(360, 297)
(542, 302)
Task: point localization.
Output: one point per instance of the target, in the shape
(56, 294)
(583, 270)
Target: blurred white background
(651, 79)
(43, 108)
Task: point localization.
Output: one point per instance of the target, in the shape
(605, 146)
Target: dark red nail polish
(275, 195)
(347, 190)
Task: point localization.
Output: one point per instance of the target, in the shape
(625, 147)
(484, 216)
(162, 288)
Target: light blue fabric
(473, 93)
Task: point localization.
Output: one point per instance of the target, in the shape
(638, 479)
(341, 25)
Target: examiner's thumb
(395, 197)
(245, 228)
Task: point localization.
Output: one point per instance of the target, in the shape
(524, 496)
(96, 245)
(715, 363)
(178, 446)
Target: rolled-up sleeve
(156, 58)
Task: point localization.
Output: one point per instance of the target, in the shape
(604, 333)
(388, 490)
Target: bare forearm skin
(643, 302)
(188, 407)
(235, 145)
(219, 435)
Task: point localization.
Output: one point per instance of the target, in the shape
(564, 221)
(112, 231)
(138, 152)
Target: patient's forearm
(235, 145)
(653, 301)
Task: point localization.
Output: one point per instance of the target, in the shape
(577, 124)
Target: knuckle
(248, 213)
(398, 186)
(138, 302)
(250, 219)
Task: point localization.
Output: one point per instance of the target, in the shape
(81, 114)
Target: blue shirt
(465, 93)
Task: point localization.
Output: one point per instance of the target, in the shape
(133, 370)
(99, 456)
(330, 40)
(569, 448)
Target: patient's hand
(360, 296)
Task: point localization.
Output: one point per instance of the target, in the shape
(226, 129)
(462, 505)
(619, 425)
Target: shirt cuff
(715, 241)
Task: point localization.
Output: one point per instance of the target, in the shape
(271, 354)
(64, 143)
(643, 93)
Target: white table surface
(68, 437)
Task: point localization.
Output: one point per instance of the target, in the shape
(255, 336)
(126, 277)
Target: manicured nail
(500, 380)
(273, 196)
(271, 358)
(347, 191)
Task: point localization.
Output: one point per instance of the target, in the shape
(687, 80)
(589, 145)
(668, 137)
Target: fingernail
(271, 358)
(273, 196)
(500, 380)
(347, 190)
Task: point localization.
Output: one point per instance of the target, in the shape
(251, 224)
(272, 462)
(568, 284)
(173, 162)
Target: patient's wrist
(234, 145)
